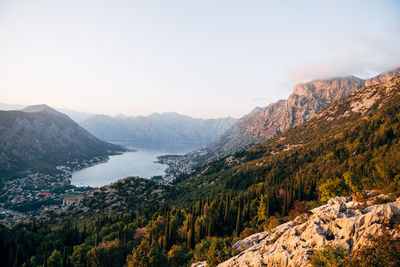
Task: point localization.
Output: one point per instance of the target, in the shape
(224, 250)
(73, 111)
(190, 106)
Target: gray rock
(199, 264)
(336, 223)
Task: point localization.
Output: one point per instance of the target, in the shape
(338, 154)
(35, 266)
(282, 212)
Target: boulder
(341, 222)
(199, 264)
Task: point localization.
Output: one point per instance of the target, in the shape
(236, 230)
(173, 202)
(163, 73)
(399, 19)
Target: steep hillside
(40, 138)
(261, 124)
(351, 148)
(358, 134)
(158, 130)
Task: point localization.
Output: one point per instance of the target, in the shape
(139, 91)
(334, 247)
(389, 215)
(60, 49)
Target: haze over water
(139, 163)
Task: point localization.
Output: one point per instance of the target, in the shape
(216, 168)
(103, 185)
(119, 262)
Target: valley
(34, 184)
(245, 208)
(199, 133)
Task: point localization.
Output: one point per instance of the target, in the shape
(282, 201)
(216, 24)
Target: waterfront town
(36, 193)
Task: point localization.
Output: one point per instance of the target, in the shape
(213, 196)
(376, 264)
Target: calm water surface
(139, 163)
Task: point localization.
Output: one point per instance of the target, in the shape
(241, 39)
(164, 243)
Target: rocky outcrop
(305, 102)
(341, 222)
(199, 264)
(384, 77)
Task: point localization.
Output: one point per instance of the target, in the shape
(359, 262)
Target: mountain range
(39, 138)
(286, 189)
(276, 203)
(158, 130)
(261, 124)
(77, 116)
(171, 132)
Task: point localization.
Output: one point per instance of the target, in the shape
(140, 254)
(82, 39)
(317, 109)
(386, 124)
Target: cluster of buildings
(36, 193)
(10, 217)
(177, 166)
(32, 188)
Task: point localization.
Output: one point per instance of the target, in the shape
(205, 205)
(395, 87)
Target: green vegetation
(381, 251)
(332, 154)
(330, 257)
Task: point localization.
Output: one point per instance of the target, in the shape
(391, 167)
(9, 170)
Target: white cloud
(370, 56)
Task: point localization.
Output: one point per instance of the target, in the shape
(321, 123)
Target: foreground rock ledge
(341, 222)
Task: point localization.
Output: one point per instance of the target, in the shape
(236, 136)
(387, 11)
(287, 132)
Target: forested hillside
(356, 136)
(261, 124)
(352, 145)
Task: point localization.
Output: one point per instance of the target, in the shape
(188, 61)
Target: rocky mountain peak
(305, 102)
(383, 77)
(329, 89)
(43, 108)
(261, 124)
(254, 111)
(39, 108)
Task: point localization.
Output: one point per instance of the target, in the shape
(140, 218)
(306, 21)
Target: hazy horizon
(115, 114)
(202, 59)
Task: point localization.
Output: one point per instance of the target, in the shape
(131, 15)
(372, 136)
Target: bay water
(138, 163)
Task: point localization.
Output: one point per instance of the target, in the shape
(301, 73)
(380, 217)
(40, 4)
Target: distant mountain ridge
(169, 130)
(158, 129)
(76, 116)
(39, 138)
(262, 124)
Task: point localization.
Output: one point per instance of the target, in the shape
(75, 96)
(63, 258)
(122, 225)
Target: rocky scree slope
(341, 222)
(306, 101)
(40, 138)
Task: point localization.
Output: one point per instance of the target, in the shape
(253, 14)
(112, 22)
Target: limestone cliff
(342, 221)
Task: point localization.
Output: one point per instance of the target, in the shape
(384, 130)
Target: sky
(205, 58)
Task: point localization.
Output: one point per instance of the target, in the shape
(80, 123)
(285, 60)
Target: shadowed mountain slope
(39, 138)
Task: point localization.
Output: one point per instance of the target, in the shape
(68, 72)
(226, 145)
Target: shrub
(330, 256)
(382, 251)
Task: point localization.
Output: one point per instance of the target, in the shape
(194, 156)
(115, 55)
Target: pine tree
(210, 227)
(45, 256)
(192, 234)
(156, 257)
(16, 262)
(284, 205)
(65, 257)
(238, 221)
(166, 233)
(262, 211)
